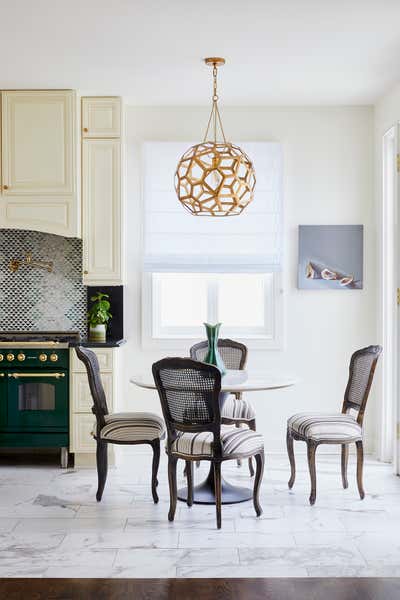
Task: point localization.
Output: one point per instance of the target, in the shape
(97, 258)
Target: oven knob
(1, 357)
(21, 357)
(10, 357)
(53, 357)
(42, 357)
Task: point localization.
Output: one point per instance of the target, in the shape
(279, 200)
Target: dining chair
(342, 428)
(129, 428)
(190, 394)
(236, 410)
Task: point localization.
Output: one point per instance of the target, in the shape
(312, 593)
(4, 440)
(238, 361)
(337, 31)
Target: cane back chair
(235, 411)
(119, 428)
(340, 428)
(190, 393)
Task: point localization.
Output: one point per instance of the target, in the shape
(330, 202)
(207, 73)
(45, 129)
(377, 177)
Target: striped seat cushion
(238, 409)
(132, 427)
(326, 427)
(235, 442)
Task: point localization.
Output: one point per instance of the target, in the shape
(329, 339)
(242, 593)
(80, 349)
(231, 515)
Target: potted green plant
(98, 317)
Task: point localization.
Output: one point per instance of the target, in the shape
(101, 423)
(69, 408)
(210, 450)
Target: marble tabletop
(233, 381)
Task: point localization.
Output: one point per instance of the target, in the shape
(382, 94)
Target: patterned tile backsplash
(34, 299)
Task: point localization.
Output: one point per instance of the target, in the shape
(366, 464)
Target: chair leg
(345, 460)
(218, 492)
(311, 448)
(156, 461)
(173, 489)
(257, 482)
(189, 476)
(360, 464)
(102, 467)
(238, 461)
(252, 426)
(290, 451)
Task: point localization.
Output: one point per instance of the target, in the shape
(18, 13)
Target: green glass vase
(213, 356)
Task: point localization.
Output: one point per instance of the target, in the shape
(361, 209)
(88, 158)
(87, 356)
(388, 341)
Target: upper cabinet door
(38, 143)
(101, 117)
(102, 212)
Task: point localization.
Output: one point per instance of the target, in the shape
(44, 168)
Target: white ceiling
(277, 51)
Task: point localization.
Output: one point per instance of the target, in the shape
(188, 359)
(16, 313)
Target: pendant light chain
(215, 116)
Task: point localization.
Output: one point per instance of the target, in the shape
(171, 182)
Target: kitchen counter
(110, 343)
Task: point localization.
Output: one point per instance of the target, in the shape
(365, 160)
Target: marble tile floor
(52, 526)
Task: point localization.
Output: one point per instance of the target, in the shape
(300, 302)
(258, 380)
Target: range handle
(43, 375)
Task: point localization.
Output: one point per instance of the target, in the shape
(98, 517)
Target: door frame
(390, 283)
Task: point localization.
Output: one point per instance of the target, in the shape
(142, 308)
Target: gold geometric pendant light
(215, 178)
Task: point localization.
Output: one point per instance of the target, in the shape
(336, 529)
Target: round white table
(232, 382)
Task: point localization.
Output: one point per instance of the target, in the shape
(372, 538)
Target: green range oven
(34, 391)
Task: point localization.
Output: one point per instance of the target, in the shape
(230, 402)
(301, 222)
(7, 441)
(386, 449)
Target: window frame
(183, 340)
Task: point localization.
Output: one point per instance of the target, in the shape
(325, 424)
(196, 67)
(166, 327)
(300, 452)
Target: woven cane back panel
(189, 395)
(234, 357)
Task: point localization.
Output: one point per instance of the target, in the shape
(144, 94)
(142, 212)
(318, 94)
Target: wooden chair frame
(213, 426)
(228, 343)
(100, 409)
(312, 445)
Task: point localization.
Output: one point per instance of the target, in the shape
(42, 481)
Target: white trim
(186, 337)
(389, 283)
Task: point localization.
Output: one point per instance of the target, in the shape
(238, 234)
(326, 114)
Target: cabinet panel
(82, 439)
(81, 397)
(39, 166)
(102, 230)
(104, 355)
(38, 143)
(101, 117)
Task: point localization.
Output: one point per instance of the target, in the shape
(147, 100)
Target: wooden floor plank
(200, 589)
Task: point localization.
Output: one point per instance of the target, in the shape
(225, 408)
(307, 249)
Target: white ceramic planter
(97, 333)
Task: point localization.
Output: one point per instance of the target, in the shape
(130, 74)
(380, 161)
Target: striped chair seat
(319, 427)
(132, 427)
(234, 408)
(235, 442)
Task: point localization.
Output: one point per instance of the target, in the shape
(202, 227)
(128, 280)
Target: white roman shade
(175, 240)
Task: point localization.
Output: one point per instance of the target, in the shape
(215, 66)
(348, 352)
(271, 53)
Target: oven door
(37, 400)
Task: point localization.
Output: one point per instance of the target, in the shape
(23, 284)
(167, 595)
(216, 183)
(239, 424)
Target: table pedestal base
(204, 492)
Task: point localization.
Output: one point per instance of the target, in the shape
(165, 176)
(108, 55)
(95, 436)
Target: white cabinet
(82, 420)
(102, 193)
(101, 117)
(39, 162)
(102, 207)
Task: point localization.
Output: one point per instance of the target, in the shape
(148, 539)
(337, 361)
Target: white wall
(328, 179)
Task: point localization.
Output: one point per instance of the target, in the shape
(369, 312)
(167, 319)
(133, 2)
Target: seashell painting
(331, 257)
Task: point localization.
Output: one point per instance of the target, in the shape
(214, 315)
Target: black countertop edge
(107, 344)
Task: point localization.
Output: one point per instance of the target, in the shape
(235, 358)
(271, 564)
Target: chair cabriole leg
(156, 461)
(102, 467)
(345, 460)
(290, 450)
(360, 464)
(311, 448)
(218, 492)
(173, 490)
(257, 482)
(252, 426)
(189, 476)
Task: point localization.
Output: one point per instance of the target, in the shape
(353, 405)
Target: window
(216, 270)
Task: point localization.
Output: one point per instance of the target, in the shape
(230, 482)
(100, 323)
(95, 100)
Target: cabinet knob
(5, 187)
(86, 272)
(85, 129)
